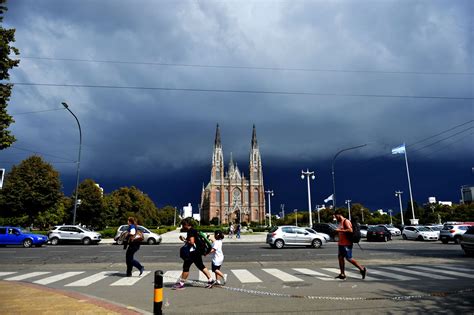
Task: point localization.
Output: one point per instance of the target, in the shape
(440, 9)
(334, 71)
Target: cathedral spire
(231, 163)
(217, 141)
(254, 138)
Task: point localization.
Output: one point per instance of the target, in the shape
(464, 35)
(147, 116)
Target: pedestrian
(194, 256)
(344, 230)
(132, 244)
(218, 257)
(231, 231)
(237, 231)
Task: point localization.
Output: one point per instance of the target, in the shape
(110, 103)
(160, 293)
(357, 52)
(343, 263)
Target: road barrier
(158, 293)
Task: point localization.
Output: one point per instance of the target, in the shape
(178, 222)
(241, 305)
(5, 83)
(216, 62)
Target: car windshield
(423, 229)
(447, 227)
(274, 229)
(311, 231)
(23, 231)
(376, 229)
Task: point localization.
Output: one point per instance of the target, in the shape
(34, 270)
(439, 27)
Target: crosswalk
(245, 276)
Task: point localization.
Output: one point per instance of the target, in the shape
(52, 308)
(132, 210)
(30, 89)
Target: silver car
(73, 234)
(280, 236)
(467, 243)
(452, 232)
(148, 237)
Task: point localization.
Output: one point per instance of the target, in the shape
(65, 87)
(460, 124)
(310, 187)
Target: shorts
(345, 251)
(214, 267)
(196, 259)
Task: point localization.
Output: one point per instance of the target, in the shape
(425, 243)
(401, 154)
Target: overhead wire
(37, 111)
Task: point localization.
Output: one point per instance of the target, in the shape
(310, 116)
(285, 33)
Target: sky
(149, 81)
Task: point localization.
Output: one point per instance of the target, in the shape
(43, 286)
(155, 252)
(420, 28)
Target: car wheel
(404, 236)
(316, 243)
(86, 241)
(27, 243)
(151, 241)
(119, 242)
(458, 239)
(336, 238)
(54, 241)
(279, 244)
(420, 238)
(445, 241)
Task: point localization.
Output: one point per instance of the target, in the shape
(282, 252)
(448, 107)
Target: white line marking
(350, 274)
(203, 278)
(456, 268)
(283, 276)
(6, 273)
(91, 279)
(448, 272)
(154, 256)
(420, 273)
(245, 276)
(127, 281)
(316, 274)
(27, 275)
(391, 275)
(171, 276)
(59, 277)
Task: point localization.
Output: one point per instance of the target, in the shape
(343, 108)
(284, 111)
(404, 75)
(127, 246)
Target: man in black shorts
(195, 256)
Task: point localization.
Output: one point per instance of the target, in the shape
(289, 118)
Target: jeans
(131, 262)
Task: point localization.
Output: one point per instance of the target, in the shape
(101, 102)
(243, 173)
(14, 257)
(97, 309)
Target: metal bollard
(158, 296)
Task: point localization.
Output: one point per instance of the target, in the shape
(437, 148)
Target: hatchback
(148, 236)
(73, 234)
(378, 233)
(280, 236)
(419, 233)
(10, 235)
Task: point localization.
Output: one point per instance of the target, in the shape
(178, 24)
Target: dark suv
(328, 228)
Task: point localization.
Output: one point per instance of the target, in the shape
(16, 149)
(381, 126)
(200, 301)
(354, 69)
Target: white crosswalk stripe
(7, 273)
(91, 279)
(390, 275)
(128, 281)
(245, 276)
(350, 274)
(203, 278)
(447, 272)
(27, 276)
(455, 268)
(419, 273)
(57, 278)
(283, 276)
(171, 276)
(316, 274)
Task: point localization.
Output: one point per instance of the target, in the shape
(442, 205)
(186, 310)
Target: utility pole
(317, 209)
(399, 195)
(296, 216)
(390, 213)
(307, 174)
(348, 203)
(270, 193)
(282, 207)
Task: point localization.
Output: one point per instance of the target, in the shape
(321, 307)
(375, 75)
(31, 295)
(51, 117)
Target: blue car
(17, 236)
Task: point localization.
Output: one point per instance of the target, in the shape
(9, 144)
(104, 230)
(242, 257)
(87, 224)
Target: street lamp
(333, 173)
(399, 195)
(317, 209)
(307, 174)
(78, 162)
(269, 193)
(390, 213)
(296, 216)
(348, 203)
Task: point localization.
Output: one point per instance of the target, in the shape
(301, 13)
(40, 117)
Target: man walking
(344, 230)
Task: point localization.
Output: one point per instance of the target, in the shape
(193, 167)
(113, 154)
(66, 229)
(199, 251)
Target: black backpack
(203, 244)
(355, 236)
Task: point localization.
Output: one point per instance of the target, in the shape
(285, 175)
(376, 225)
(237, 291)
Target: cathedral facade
(229, 196)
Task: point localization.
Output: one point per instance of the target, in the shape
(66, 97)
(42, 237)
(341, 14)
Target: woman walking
(132, 243)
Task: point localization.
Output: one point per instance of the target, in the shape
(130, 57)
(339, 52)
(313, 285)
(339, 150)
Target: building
(230, 196)
(188, 211)
(467, 192)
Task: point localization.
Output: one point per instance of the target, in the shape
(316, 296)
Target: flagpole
(409, 186)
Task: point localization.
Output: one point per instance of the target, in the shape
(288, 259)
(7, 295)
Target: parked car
(452, 232)
(363, 230)
(10, 235)
(327, 228)
(378, 233)
(73, 234)
(326, 237)
(149, 237)
(434, 228)
(393, 230)
(419, 233)
(467, 242)
(280, 236)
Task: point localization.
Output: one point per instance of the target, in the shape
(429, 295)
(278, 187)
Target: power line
(37, 111)
(248, 67)
(244, 91)
(452, 136)
(35, 151)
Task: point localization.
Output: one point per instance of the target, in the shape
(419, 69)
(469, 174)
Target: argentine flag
(399, 150)
(329, 198)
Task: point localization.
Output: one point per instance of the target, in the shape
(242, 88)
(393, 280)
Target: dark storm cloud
(131, 134)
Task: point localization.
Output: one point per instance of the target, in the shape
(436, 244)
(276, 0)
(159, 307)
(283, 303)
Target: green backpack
(203, 244)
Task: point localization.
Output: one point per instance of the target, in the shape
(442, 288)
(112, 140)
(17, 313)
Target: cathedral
(230, 197)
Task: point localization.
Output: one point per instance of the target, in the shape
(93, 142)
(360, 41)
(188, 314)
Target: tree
(166, 215)
(31, 188)
(89, 211)
(7, 36)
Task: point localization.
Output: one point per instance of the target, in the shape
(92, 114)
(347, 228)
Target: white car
(420, 233)
(393, 230)
(149, 237)
(73, 234)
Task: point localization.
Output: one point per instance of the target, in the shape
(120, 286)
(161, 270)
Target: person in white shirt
(218, 256)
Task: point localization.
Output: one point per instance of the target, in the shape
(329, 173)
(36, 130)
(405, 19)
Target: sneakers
(178, 286)
(341, 276)
(220, 282)
(210, 284)
(141, 271)
(363, 272)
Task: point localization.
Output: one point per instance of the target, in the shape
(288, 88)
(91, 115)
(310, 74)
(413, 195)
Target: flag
(399, 150)
(329, 198)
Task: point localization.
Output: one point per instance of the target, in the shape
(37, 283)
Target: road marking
(155, 256)
(28, 257)
(6, 273)
(392, 275)
(171, 276)
(127, 281)
(91, 279)
(59, 277)
(448, 272)
(112, 251)
(420, 273)
(203, 278)
(350, 274)
(27, 275)
(283, 276)
(271, 255)
(318, 275)
(456, 268)
(245, 276)
(59, 251)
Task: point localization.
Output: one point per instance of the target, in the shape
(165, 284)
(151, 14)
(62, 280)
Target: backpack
(355, 236)
(138, 236)
(203, 243)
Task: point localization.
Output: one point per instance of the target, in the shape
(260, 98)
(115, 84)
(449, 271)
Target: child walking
(218, 257)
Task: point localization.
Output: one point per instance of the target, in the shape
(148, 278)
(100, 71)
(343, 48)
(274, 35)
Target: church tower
(257, 192)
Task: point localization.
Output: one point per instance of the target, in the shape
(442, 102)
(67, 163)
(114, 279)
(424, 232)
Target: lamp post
(269, 193)
(390, 213)
(348, 203)
(296, 216)
(399, 195)
(333, 173)
(317, 209)
(307, 174)
(66, 106)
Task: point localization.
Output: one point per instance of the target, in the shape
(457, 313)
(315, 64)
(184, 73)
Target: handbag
(185, 252)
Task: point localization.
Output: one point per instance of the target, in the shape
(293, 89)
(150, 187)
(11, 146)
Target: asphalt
(27, 298)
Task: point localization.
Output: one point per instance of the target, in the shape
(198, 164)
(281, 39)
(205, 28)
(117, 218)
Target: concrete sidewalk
(28, 298)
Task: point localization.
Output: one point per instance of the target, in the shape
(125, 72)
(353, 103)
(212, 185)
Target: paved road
(254, 271)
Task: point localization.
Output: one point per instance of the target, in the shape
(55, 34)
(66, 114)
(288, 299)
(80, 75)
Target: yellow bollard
(158, 294)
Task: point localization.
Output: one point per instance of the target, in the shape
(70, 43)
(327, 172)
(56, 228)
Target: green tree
(31, 188)
(7, 36)
(166, 215)
(89, 210)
